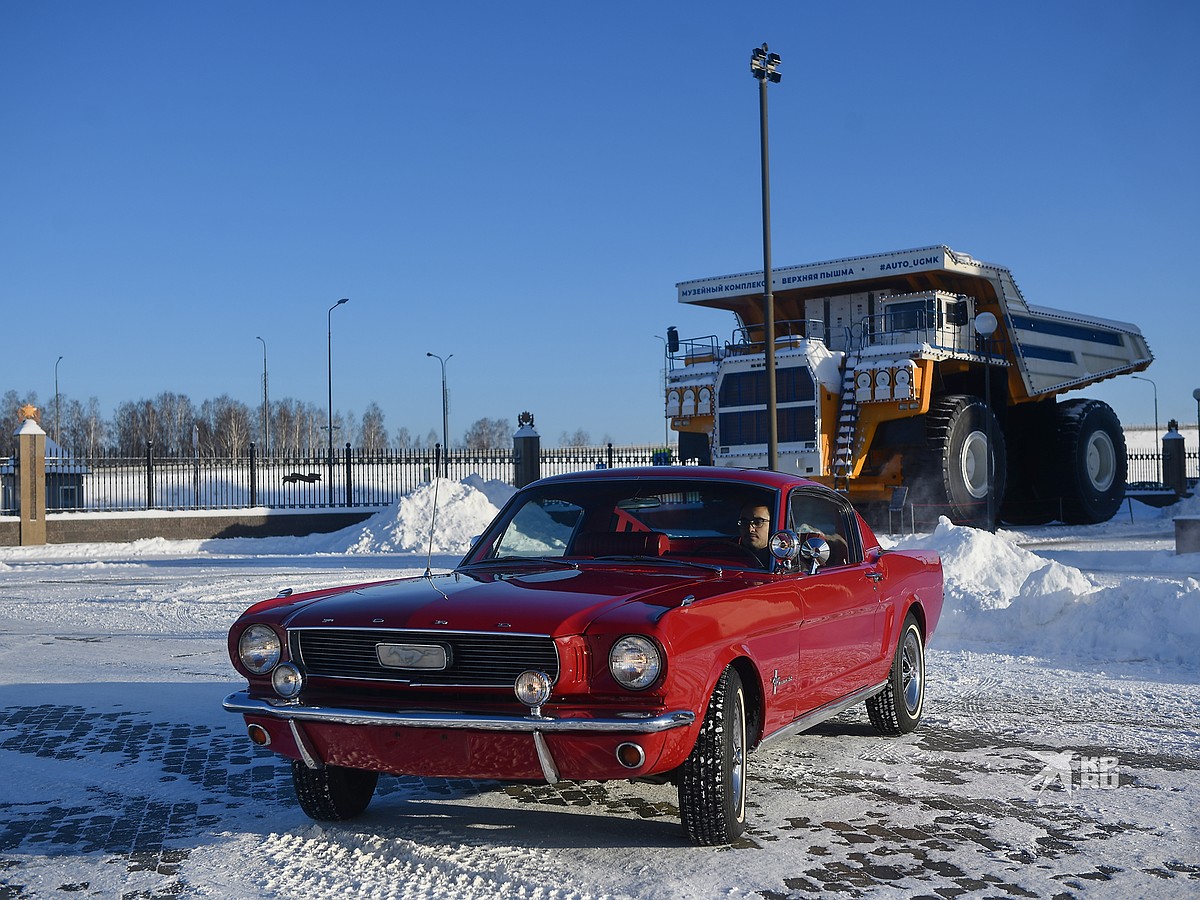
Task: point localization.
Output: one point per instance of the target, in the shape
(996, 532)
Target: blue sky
(523, 184)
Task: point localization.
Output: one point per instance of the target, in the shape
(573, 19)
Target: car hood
(527, 601)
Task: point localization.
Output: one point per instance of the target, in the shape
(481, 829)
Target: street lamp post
(985, 326)
(1196, 397)
(666, 421)
(764, 67)
(329, 357)
(266, 429)
(1157, 435)
(57, 410)
(445, 409)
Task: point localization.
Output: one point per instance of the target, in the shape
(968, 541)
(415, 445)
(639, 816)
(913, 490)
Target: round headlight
(532, 688)
(258, 649)
(635, 662)
(287, 680)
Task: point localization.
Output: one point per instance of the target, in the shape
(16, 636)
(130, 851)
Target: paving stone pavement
(895, 833)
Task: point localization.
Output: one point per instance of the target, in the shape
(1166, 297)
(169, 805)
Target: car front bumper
(318, 735)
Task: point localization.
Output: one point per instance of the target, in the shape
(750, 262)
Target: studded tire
(897, 709)
(712, 783)
(332, 793)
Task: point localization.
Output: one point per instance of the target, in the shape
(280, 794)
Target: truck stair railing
(751, 338)
(695, 351)
(925, 327)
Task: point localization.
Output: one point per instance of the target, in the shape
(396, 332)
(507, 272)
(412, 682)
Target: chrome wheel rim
(912, 671)
(737, 747)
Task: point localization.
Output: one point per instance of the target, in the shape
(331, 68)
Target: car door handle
(875, 576)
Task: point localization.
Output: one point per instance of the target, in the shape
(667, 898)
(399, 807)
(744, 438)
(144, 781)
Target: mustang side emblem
(428, 657)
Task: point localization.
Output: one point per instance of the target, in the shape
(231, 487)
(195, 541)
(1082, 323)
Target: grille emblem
(427, 657)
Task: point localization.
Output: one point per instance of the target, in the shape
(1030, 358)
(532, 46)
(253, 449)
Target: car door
(842, 618)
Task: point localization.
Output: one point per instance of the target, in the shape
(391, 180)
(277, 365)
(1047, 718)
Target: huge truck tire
(1031, 493)
(958, 427)
(693, 445)
(1091, 461)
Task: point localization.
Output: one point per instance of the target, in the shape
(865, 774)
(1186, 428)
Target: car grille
(476, 660)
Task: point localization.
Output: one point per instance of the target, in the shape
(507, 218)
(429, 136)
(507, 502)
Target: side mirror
(785, 549)
(815, 552)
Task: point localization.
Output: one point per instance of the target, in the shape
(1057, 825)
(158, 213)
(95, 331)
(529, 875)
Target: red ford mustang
(655, 623)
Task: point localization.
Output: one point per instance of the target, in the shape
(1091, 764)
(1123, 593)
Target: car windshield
(627, 517)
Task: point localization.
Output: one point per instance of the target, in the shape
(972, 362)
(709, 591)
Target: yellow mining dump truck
(882, 381)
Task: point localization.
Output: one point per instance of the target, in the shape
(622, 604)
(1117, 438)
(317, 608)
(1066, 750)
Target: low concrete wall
(73, 528)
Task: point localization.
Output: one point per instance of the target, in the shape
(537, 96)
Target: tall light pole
(985, 326)
(666, 421)
(1157, 434)
(764, 66)
(329, 318)
(1196, 397)
(445, 408)
(57, 410)
(266, 429)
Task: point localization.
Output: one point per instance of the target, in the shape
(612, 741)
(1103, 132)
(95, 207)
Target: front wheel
(332, 793)
(897, 708)
(712, 784)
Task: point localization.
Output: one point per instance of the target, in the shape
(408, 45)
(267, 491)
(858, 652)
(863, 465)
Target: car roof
(755, 477)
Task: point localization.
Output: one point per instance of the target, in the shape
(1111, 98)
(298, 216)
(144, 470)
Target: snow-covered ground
(1059, 754)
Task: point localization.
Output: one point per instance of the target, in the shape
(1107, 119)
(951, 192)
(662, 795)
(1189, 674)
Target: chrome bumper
(242, 702)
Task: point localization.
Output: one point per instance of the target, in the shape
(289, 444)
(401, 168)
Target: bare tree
(488, 434)
(579, 439)
(372, 435)
(228, 424)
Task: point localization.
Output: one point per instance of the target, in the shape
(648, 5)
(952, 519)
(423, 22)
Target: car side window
(811, 514)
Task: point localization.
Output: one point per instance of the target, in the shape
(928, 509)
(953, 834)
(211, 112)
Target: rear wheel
(332, 793)
(712, 783)
(1092, 462)
(897, 709)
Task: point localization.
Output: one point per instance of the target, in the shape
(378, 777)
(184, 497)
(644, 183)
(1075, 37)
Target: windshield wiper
(550, 560)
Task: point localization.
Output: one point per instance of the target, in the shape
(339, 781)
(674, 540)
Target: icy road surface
(1029, 777)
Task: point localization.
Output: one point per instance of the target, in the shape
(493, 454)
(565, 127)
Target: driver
(754, 532)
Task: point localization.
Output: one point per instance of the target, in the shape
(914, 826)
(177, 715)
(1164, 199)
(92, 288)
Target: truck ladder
(847, 428)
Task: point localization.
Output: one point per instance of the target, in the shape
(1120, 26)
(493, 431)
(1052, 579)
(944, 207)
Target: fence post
(30, 482)
(149, 474)
(349, 484)
(610, 456)
(437, 460)
(253, 477)
(527, 452)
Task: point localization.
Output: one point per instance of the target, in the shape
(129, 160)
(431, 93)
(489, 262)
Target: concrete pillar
(31, 482)
(1174, 460)
(527, 450)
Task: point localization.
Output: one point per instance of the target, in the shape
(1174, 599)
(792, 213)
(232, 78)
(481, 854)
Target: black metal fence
(109, 483)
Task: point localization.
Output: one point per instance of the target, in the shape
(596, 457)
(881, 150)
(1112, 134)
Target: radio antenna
(432, 528)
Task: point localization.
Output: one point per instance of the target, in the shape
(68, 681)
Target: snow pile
(456, 510)
(999, 593)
